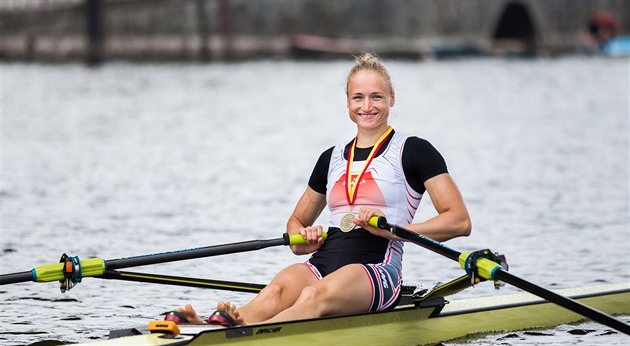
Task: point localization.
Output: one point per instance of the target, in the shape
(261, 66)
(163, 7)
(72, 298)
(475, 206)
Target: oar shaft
(193, 253)
(14, 278)
(97, 266)
(183, 281)
(425, 242)
(565, 302)
(491, 270)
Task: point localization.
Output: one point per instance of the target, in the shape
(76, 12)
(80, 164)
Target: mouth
(368, 116)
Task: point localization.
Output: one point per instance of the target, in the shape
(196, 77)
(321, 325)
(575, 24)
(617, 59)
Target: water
(133, 159)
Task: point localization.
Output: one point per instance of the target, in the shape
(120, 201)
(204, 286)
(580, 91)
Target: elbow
(298, 250)
(465, 226)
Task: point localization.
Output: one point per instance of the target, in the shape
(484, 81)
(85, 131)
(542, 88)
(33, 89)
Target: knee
(272, 290)
(314, 298)
(310, 293)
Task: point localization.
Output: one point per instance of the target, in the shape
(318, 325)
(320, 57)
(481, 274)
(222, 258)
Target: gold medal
(346, 224)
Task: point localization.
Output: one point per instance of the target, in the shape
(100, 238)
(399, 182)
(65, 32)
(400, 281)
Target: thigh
(386, 282)
(346, 290)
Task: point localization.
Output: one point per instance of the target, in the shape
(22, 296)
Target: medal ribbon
(352, 187)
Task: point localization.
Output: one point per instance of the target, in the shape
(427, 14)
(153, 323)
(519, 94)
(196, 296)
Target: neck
(368, 137)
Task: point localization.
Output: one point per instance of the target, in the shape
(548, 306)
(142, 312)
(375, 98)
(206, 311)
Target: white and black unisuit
(394, 183)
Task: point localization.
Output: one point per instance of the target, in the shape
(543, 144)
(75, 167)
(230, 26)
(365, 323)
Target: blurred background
(209, 30)
(132, 127)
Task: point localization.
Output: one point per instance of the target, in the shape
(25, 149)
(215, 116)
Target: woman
(359, 267)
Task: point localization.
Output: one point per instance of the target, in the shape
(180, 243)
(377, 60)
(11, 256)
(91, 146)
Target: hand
(312, 235)
(365, 214)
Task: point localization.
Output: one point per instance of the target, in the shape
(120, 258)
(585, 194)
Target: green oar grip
(484, 266)
(373, 221)
(54, 272)
(296, 239)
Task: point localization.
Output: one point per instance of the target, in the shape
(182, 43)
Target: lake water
(131, 159)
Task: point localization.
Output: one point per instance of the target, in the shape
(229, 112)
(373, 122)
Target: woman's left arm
(453, 219)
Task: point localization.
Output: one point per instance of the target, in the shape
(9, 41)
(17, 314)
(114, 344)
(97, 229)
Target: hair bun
(369, 62)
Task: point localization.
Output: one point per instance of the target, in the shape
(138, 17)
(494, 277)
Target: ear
(392, 100)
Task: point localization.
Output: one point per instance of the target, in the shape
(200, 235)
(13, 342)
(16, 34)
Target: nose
(367, 104)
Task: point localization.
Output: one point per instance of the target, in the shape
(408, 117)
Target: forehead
(367, 80)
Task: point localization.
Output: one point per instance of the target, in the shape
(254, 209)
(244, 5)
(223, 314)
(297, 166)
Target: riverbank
(233, 30)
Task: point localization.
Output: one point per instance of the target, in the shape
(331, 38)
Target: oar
(97, 266)
(182, 281)
(491, 270)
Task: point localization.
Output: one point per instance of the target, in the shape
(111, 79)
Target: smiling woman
(370, 96)
(378, 173)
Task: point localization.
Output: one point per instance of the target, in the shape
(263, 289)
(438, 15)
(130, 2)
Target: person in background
(379, 172)
(602, 27)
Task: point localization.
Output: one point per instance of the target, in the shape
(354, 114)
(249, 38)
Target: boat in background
(617, 47)
(319, 47)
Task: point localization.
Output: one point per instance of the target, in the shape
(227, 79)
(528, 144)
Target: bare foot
(230, 309)
(190, 314)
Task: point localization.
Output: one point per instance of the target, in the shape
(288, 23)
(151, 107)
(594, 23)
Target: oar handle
(297, 239)
(379, 222)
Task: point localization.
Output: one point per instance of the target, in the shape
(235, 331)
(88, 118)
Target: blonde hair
(368, 62)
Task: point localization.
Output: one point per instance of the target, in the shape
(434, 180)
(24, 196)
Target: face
(369, 99)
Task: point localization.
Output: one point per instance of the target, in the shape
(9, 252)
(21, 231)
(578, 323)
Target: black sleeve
(421, 161)
(319, 176)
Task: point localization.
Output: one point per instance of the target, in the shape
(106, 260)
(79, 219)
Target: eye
(377, 97)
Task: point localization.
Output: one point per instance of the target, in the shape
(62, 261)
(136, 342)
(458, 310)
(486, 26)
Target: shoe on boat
(175, 316)
(222, 318)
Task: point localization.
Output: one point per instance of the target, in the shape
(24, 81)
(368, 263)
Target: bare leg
(347, 290)
(278, 295)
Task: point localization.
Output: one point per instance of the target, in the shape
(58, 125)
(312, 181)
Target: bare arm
(452, 220)
(307, 210)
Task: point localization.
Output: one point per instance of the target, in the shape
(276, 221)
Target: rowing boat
(418, 320)
(422, 317)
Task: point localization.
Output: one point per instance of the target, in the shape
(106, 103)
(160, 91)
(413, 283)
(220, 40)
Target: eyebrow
(371, 94)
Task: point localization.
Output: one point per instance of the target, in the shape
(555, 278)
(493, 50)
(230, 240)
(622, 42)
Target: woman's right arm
(307, 210)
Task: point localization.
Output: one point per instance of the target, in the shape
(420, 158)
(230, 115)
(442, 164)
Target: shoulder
(417, 143)
(325, 156)
(421, 161)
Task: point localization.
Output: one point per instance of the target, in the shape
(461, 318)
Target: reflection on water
(134, 159)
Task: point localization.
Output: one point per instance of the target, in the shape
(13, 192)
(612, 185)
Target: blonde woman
(359, 267)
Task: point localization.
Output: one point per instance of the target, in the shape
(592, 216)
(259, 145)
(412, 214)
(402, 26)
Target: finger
(365, 214)
(304, 234)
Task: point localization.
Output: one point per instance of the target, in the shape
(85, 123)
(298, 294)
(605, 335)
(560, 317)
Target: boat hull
(430, 324)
